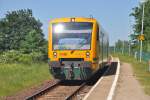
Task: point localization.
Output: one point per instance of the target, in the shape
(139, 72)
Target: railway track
(67, 90)
(59, 91)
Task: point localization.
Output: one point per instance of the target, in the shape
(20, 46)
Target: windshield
(72, 36)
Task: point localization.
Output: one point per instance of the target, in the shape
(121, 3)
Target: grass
(140, 70)
(16, 77)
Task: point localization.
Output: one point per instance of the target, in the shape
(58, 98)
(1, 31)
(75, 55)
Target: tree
(137, 14)
(19, 30)
(118, 44)
(122, 45)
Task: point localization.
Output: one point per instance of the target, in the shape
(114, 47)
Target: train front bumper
(71, 70)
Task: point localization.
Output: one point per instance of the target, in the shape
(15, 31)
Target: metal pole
(141, 43)
(114, 48)
(149, 65)
(123, 48)
(129, 48)
(130, 37)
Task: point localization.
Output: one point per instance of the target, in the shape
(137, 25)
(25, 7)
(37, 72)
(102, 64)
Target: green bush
(14, 56)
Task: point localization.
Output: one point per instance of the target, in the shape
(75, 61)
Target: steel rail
(41, 92)
(75, 92)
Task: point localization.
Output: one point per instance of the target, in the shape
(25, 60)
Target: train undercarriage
(71, 69)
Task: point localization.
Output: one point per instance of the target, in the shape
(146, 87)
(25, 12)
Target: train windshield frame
(72, 35)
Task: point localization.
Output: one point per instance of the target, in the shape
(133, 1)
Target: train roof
(78, 19)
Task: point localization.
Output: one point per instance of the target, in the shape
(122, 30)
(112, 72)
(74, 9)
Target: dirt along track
(32, 90)
(62, 91)
(72, 89)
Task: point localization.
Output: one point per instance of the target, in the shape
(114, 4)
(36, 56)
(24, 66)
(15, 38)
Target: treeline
(137, 14)
(122, 46)
(21, 38)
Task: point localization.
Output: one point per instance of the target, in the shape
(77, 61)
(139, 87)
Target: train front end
(72, 48)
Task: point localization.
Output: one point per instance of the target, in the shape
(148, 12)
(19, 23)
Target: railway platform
(105, 86)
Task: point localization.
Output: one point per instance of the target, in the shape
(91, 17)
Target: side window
(97, 33)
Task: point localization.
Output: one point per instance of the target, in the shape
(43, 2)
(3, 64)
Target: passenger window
(98, 34)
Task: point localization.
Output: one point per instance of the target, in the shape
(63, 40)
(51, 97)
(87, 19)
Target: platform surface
(102, 88)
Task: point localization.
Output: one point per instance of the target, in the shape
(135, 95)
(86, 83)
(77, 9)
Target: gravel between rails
(59, 93)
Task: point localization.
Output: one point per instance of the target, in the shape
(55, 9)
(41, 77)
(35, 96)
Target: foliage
(121, 44)
(13, 56)
(137, 13)
(19, 30)
(118, 44)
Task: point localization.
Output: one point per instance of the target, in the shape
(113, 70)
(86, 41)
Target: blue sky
(113, 15)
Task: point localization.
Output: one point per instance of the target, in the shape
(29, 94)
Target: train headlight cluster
(87, 54)
(55, 54)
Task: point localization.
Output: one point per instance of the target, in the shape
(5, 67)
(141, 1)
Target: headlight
(59, 28)
(87, 54)
(54, 54)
